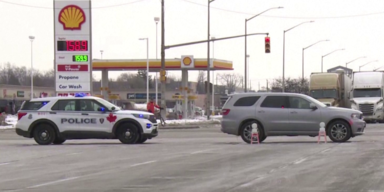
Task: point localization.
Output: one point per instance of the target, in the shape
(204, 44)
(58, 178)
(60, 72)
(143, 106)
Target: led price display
(80, 58)
(72, 45)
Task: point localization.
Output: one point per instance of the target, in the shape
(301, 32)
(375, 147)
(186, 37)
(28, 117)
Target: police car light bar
(80, 94)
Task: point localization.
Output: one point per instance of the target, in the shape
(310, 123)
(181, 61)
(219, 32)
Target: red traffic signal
(267, 45)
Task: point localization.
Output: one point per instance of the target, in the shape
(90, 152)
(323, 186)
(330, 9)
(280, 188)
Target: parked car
(288, 114)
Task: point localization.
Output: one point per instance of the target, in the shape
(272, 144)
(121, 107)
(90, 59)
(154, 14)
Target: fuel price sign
(80, 58)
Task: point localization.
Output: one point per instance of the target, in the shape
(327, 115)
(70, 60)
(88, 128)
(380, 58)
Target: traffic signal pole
(211, 40)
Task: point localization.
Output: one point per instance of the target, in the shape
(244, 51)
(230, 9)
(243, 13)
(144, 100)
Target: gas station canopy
(155, 64)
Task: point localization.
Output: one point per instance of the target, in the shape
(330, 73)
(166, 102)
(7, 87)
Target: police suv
(56, 119)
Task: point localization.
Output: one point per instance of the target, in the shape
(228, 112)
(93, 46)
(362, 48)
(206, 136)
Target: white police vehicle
(56, 119)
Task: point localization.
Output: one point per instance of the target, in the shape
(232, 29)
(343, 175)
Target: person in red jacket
(151, 106)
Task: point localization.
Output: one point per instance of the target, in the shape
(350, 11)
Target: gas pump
(178, 106)
(191, 105)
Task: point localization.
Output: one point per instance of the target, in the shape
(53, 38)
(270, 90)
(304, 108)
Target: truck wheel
(339, 131)
(128, 133)
(44, 134)
(246, 131)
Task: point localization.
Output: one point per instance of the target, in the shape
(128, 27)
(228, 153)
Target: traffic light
(163, 76)
(267, 45)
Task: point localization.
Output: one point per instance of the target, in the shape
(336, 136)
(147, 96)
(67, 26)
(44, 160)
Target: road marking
(4, 164)
(299, 161)
(12, 190)
(325, 150)
(138, 164)
(251, 182)
(202, 151)
(52, 182)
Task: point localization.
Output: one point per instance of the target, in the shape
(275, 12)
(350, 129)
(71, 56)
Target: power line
(40, 7)
(286, 17)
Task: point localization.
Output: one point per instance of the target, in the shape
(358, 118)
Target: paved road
(201, 160)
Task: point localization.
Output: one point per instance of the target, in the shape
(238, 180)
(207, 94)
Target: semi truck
(367, 94)
(331, 88)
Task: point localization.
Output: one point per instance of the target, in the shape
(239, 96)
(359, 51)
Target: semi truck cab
(367, 95)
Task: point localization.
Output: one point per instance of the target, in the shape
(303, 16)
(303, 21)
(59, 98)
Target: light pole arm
(297, 25)
(367, 63)
(378, 68)
(314, 44)
(346, 64)
(332, 52)
(263, 12)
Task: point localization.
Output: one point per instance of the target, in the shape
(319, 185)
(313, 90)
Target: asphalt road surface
(201, 160)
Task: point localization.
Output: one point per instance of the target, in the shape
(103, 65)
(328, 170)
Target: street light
(147, 66)
(284, 49)
(322, 57)
(245, 63)
(346, 64)
(213, 78)
(101, 54)
(208, 58)
(378, 68)
(367, 64)
(157, 19)
(302, 65)
(31, 38)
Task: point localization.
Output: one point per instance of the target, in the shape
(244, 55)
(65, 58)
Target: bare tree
(14, 75)
(297, 85)
(230, 80)
(201, 78)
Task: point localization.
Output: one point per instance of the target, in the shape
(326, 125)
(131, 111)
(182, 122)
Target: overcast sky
(355, 25)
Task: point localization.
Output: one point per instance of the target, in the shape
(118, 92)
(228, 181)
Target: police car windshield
(108, 104)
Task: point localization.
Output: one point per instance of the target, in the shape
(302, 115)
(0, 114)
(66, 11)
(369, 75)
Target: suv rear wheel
(44, 134)
(246, 131)
(339, 131)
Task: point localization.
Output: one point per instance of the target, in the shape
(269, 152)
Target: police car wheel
(58, 141)
(44, 134)
(142, 140)
(128, 133)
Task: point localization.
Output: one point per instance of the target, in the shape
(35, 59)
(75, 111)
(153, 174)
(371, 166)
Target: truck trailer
(331, 88)
(367, 94)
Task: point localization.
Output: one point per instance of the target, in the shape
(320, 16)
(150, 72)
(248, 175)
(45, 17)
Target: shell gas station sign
(73, 46)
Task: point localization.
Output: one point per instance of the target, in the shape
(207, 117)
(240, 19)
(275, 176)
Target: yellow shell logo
(72, 17)
(187, 61)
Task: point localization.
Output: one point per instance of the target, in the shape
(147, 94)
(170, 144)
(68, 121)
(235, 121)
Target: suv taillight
(20, 115)
(225, 111)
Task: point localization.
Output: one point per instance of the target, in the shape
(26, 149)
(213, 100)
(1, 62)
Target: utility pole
(162, 104)
(208, 104)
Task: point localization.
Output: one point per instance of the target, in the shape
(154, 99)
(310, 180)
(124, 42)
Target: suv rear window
(246, 101)
(33, 105)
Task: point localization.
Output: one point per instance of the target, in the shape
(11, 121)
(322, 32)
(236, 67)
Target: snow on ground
(198, 120)
(11, 120)
(141, 107)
